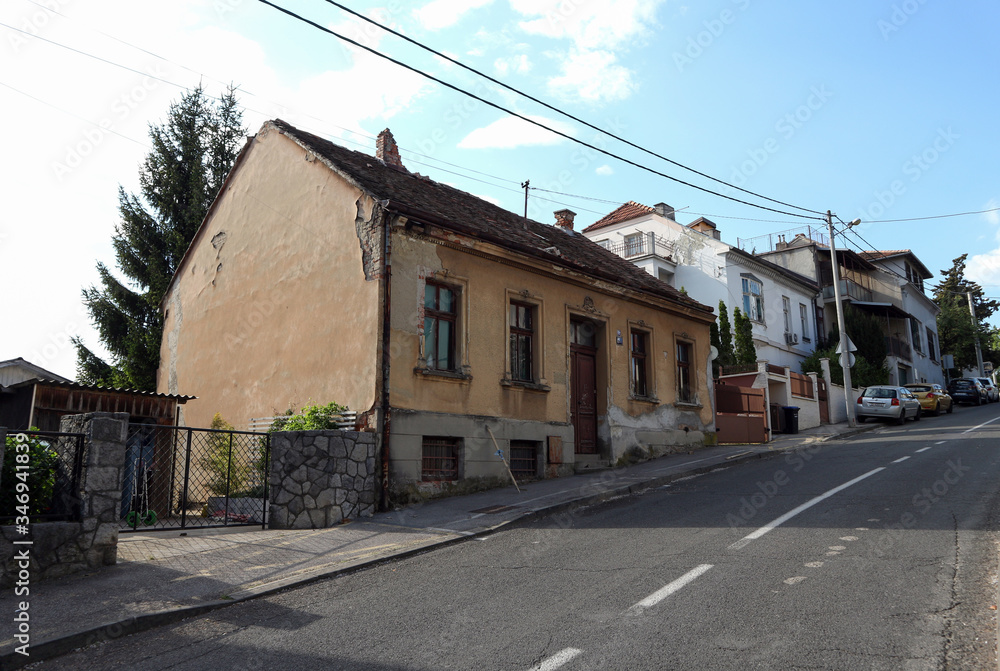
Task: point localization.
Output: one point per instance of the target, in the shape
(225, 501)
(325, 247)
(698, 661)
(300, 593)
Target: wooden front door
(583, 398)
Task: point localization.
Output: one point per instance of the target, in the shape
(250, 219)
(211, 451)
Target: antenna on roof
(524, 186)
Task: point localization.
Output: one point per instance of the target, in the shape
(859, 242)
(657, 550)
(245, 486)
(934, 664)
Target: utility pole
(975, 332)
(525, 187)
(845, 356)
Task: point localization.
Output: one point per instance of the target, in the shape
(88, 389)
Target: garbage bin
(791, 414)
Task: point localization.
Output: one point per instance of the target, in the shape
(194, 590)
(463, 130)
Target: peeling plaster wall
(272, 308)
(485, 289)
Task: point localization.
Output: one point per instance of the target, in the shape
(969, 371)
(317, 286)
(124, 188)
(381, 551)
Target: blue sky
(875, 110)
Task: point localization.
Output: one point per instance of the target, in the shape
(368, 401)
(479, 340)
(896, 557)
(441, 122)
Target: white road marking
(848, 538)
(981, 425)
(832, 553)
(838, 547)
(662, 593)
(557, 660)
(941, 442)
(924, 449)
(901, 459)
(813, 564)
(743, 542)
(794, 581)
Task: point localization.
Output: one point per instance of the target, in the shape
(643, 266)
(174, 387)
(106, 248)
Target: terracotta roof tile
(452, 208)
(630, 210)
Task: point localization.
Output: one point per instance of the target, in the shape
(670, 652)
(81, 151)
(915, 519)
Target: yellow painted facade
(279, 303)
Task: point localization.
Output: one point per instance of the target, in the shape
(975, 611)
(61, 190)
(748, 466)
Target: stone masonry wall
(60, 548)
(320, 478)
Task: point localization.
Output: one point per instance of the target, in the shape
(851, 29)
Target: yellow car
(933, 397)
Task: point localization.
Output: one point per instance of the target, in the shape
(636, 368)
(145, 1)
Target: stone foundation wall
(60, 548)
(320, 478)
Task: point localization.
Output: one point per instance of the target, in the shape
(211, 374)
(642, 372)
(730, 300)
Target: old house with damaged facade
(324, 274)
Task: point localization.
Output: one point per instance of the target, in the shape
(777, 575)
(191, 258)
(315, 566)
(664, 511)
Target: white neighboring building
(886, 284)
(906, 274)
(780, 303)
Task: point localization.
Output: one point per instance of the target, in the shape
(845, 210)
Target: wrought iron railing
(899, 348)
(849, 289)
(645, 244)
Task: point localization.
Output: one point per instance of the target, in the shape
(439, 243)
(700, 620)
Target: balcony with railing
(849, 289)
(646, 244)
(897, 347)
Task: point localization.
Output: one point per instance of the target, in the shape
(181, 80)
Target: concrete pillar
(824, 364)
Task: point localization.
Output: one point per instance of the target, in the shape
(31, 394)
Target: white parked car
(886, 402)
(992, 393)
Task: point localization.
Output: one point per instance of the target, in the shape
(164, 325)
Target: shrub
(311, 418)
(40, 475)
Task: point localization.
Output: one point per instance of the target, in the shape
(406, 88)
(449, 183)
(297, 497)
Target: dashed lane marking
(746, 540)
(941, 442)
(901, 459)
(557, 660)
(662, 593)
(794, 581)
(924, 449)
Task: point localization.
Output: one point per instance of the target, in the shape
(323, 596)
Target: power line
(938, 216)
(76, 116)
(556, 109)
(458, 89)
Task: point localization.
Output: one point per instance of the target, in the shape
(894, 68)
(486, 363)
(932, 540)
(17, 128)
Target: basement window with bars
(524, 459)
(440, 458)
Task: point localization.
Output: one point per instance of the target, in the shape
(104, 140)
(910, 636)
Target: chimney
(564, 219)
(387, 151)
(664, 210)
(703, 225)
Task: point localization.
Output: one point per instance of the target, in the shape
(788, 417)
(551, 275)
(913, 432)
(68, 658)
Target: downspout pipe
(386, 357)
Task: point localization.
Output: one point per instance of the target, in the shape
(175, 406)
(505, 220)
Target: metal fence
(180, 477)
(41, 477)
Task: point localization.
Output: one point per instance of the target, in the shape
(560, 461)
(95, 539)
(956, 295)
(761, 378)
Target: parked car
(933, 397)
(886, 402)
(967, 390)
(992, 393)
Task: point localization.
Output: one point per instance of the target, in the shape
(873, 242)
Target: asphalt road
(877, 552)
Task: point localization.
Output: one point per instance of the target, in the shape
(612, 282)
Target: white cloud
(518, 64)
(596, 24)
(984, 268)
(510, 132)
(598, 30)
(593, 76)
(605, 170)
(439, 14)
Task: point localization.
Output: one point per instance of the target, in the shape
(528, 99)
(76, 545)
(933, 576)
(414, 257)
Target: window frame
(438, 316)
(931, 349)
(804, 318)
(684, 370)
(640, 380)
(753, 302)
(915, 339)
(786, 308)
(517, 332)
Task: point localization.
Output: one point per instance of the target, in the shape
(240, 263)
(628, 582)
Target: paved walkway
(165, 576)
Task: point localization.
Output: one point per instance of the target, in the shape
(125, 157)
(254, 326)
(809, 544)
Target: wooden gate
(740, 415)
(824, 407)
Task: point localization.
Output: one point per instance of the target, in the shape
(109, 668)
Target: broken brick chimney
(564, 219)
(387, 151)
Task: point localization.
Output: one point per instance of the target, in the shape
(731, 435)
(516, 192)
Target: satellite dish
(713, 353)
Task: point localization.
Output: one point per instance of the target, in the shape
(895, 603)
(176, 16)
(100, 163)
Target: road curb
(135, 624)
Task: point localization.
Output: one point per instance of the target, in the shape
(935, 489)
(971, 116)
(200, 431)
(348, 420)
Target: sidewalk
(165, 576)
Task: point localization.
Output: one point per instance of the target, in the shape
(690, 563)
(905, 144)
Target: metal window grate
(440, 459)
(524, 459)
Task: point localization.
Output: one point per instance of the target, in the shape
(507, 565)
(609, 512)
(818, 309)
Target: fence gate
(824, 407)
(177, 477)
(740, 414)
